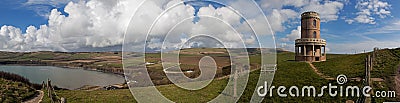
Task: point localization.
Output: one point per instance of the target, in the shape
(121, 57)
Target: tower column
(320, 50)
(304, 50)
(313, 50)
(298, 50)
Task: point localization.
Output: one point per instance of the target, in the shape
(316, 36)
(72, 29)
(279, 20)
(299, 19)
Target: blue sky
(343, 30)
(15, 14)
(21, 13)
(339, 32)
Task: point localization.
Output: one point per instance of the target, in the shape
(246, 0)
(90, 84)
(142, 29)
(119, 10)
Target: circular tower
(310, 47)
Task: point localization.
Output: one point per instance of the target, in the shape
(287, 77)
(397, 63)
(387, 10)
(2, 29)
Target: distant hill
(222, 50)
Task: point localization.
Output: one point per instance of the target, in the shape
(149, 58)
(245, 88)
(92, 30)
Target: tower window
(315, 23)
(315, 34)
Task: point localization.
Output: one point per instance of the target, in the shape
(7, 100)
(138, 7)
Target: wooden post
(369, 69)
(366, 71)
(235, 81)
(63, 100)
(49, 90)
(373, 60)
(43, 85)
(367, 79)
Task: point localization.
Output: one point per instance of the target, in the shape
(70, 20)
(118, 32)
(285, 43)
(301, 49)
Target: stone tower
(310, 47)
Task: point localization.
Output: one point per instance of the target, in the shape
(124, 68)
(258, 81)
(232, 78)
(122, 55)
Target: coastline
(69, 66)
(18, 63)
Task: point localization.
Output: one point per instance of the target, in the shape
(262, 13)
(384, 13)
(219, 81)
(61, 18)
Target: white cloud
(213, 21)
(95, 23)
(278, 4)
(48, 2)
(328, 10)
(391, 28)
(365, 19)
(280, 16)
(295, 34)
(209, 25)
(287, 42)
(42, 7)
(368, 9)
(359, 47)
(102, 23)
(395, 26)
(349, 21)
(12, 39)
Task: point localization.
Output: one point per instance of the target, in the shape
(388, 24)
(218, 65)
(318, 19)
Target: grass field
(385, 67)
(289, 73)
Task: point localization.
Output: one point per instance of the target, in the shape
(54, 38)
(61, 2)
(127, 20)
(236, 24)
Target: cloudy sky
(99, 25)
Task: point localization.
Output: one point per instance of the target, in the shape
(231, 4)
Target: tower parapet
(310, 14)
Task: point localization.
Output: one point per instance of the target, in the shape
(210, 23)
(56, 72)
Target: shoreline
(70, 67)
(37, 63)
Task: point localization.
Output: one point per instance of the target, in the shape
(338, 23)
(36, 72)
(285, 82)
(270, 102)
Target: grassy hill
(385, 66)
(289, 73)
(14, 88)
(286, 76)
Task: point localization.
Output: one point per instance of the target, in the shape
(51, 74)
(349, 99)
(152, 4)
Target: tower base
(311, 58)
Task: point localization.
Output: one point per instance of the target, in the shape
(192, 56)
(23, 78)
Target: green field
(289, 73)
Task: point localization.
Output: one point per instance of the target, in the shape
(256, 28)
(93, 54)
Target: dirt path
(36, 99)
(331, 78)
(227, 76)
(319, 73)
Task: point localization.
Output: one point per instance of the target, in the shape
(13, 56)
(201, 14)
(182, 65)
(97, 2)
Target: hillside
(385, 66)
(15, 88)
(100, 61)
(289, 73)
